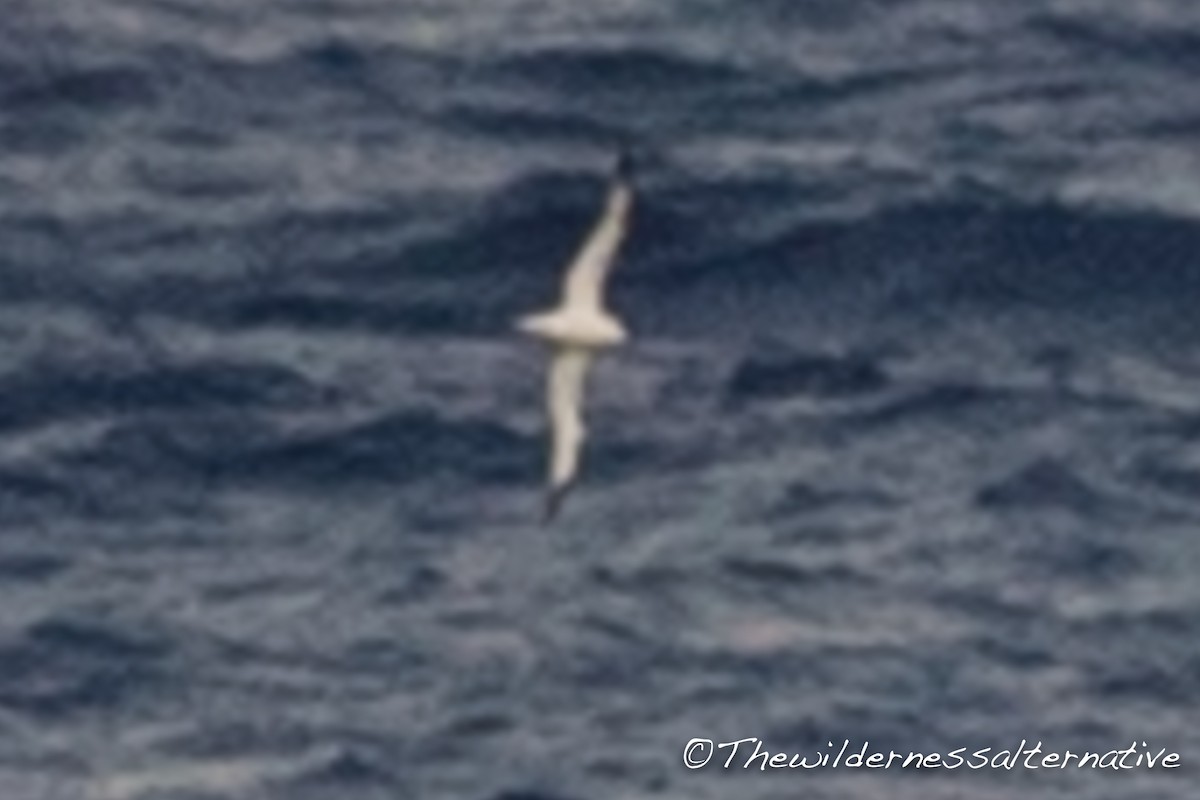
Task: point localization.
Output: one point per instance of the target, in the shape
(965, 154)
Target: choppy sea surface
(906, 449)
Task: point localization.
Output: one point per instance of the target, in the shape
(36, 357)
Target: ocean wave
(524, 122)
(1159, 45)
(945, 402)
(776, 575)
(31, 567)
(96, 89)
(62, 665)
(530, 794)
(348, 769)
(802, 498)
(395, 448)
(48, 393)
(1126, 673)
(813, 375)
(1166, 474)
(315, 311)
(999, 254)
(627, 70)
(1044, 483)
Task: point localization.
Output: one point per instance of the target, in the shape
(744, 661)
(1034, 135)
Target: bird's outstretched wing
(584, 283)
(564, 403)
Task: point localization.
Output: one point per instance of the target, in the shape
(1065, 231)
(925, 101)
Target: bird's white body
(591, 329)
(578, 328)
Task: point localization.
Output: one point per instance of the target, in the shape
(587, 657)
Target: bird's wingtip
(554, 502)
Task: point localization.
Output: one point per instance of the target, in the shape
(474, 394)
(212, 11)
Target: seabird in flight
(579, 328)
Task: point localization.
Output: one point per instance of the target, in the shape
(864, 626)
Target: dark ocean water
(906, 450)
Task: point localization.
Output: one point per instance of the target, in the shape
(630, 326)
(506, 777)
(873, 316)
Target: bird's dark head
(623, 169)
